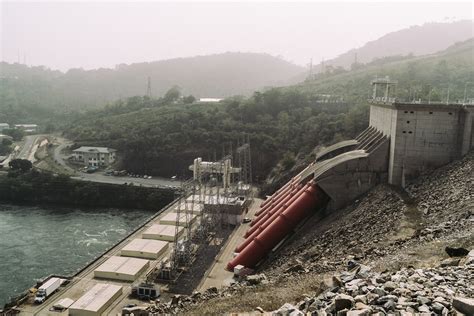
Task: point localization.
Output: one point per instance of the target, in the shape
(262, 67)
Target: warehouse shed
(163, 232)
(121, 268)
(171, 219)
(145, 248)
(95, 301)
(194, 208)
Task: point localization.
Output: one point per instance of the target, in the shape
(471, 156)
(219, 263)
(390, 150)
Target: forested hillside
(35, 92)
(160, 139)
(424, 77)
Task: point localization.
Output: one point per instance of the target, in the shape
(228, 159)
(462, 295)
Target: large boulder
(464, 305)
(343, 301)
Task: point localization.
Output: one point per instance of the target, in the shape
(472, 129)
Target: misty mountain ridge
(218, 75)
(415, 40)
(26, 89)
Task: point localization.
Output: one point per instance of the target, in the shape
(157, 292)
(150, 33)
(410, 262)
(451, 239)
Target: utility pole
(447, 96)
(465, 92)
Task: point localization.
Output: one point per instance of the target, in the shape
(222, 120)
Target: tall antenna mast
(148, 89)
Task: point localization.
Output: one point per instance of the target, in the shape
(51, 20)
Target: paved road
(218, 276)
(27, 150)
(58, 155)
(99, 176)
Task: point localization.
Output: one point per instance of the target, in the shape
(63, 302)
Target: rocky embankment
(443, 290)
(385, 254)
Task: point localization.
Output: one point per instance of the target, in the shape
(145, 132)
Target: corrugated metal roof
(122, 265)
(146, 245)
(97, 297)
(160, 229)
(174, 216)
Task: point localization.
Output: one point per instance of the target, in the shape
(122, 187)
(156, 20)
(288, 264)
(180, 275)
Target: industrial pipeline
(277, 219)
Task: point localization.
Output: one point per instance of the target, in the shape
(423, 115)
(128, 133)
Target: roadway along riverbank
(153, 183)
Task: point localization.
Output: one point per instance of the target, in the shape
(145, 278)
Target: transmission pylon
(148, 88)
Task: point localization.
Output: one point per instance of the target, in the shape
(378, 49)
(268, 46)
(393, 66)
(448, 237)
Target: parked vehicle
(46, 289)
(246, 220)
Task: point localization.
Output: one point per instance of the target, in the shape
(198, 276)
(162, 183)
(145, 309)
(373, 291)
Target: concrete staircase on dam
(340, 173)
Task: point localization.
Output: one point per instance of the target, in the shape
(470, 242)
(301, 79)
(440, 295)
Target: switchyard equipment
(95, 301)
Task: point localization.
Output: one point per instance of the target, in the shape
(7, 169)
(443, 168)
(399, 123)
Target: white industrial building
(163, 232)
(210, 100)
(94, 156)
(172, 219)
(145, 248)
(121, 268)
(95, 301)
(4, 126)
(194, 208)
(27, 128)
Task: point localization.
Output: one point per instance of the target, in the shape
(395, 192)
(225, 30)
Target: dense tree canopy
(155, 137)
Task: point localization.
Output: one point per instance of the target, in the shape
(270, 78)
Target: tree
(189, 99)
(16, 134)
(23, 165)
(172, 94)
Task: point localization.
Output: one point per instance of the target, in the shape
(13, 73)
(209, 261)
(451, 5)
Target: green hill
(284, 123)
(416, 76)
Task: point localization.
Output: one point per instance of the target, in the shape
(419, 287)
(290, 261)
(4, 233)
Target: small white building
(95, 301)
(121, 268)
(210, 100)
(27, 128)
(181, 219)
(4, 126)
(144, 248)
(163, 232)
(94, 156)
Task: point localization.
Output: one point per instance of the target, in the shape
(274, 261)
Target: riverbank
(42, 188)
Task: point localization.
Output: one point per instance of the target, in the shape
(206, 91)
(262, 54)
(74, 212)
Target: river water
(37, 241)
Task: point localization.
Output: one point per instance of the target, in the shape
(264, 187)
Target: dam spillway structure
(402, 141)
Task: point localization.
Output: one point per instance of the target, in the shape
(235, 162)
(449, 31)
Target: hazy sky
(66, 34)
